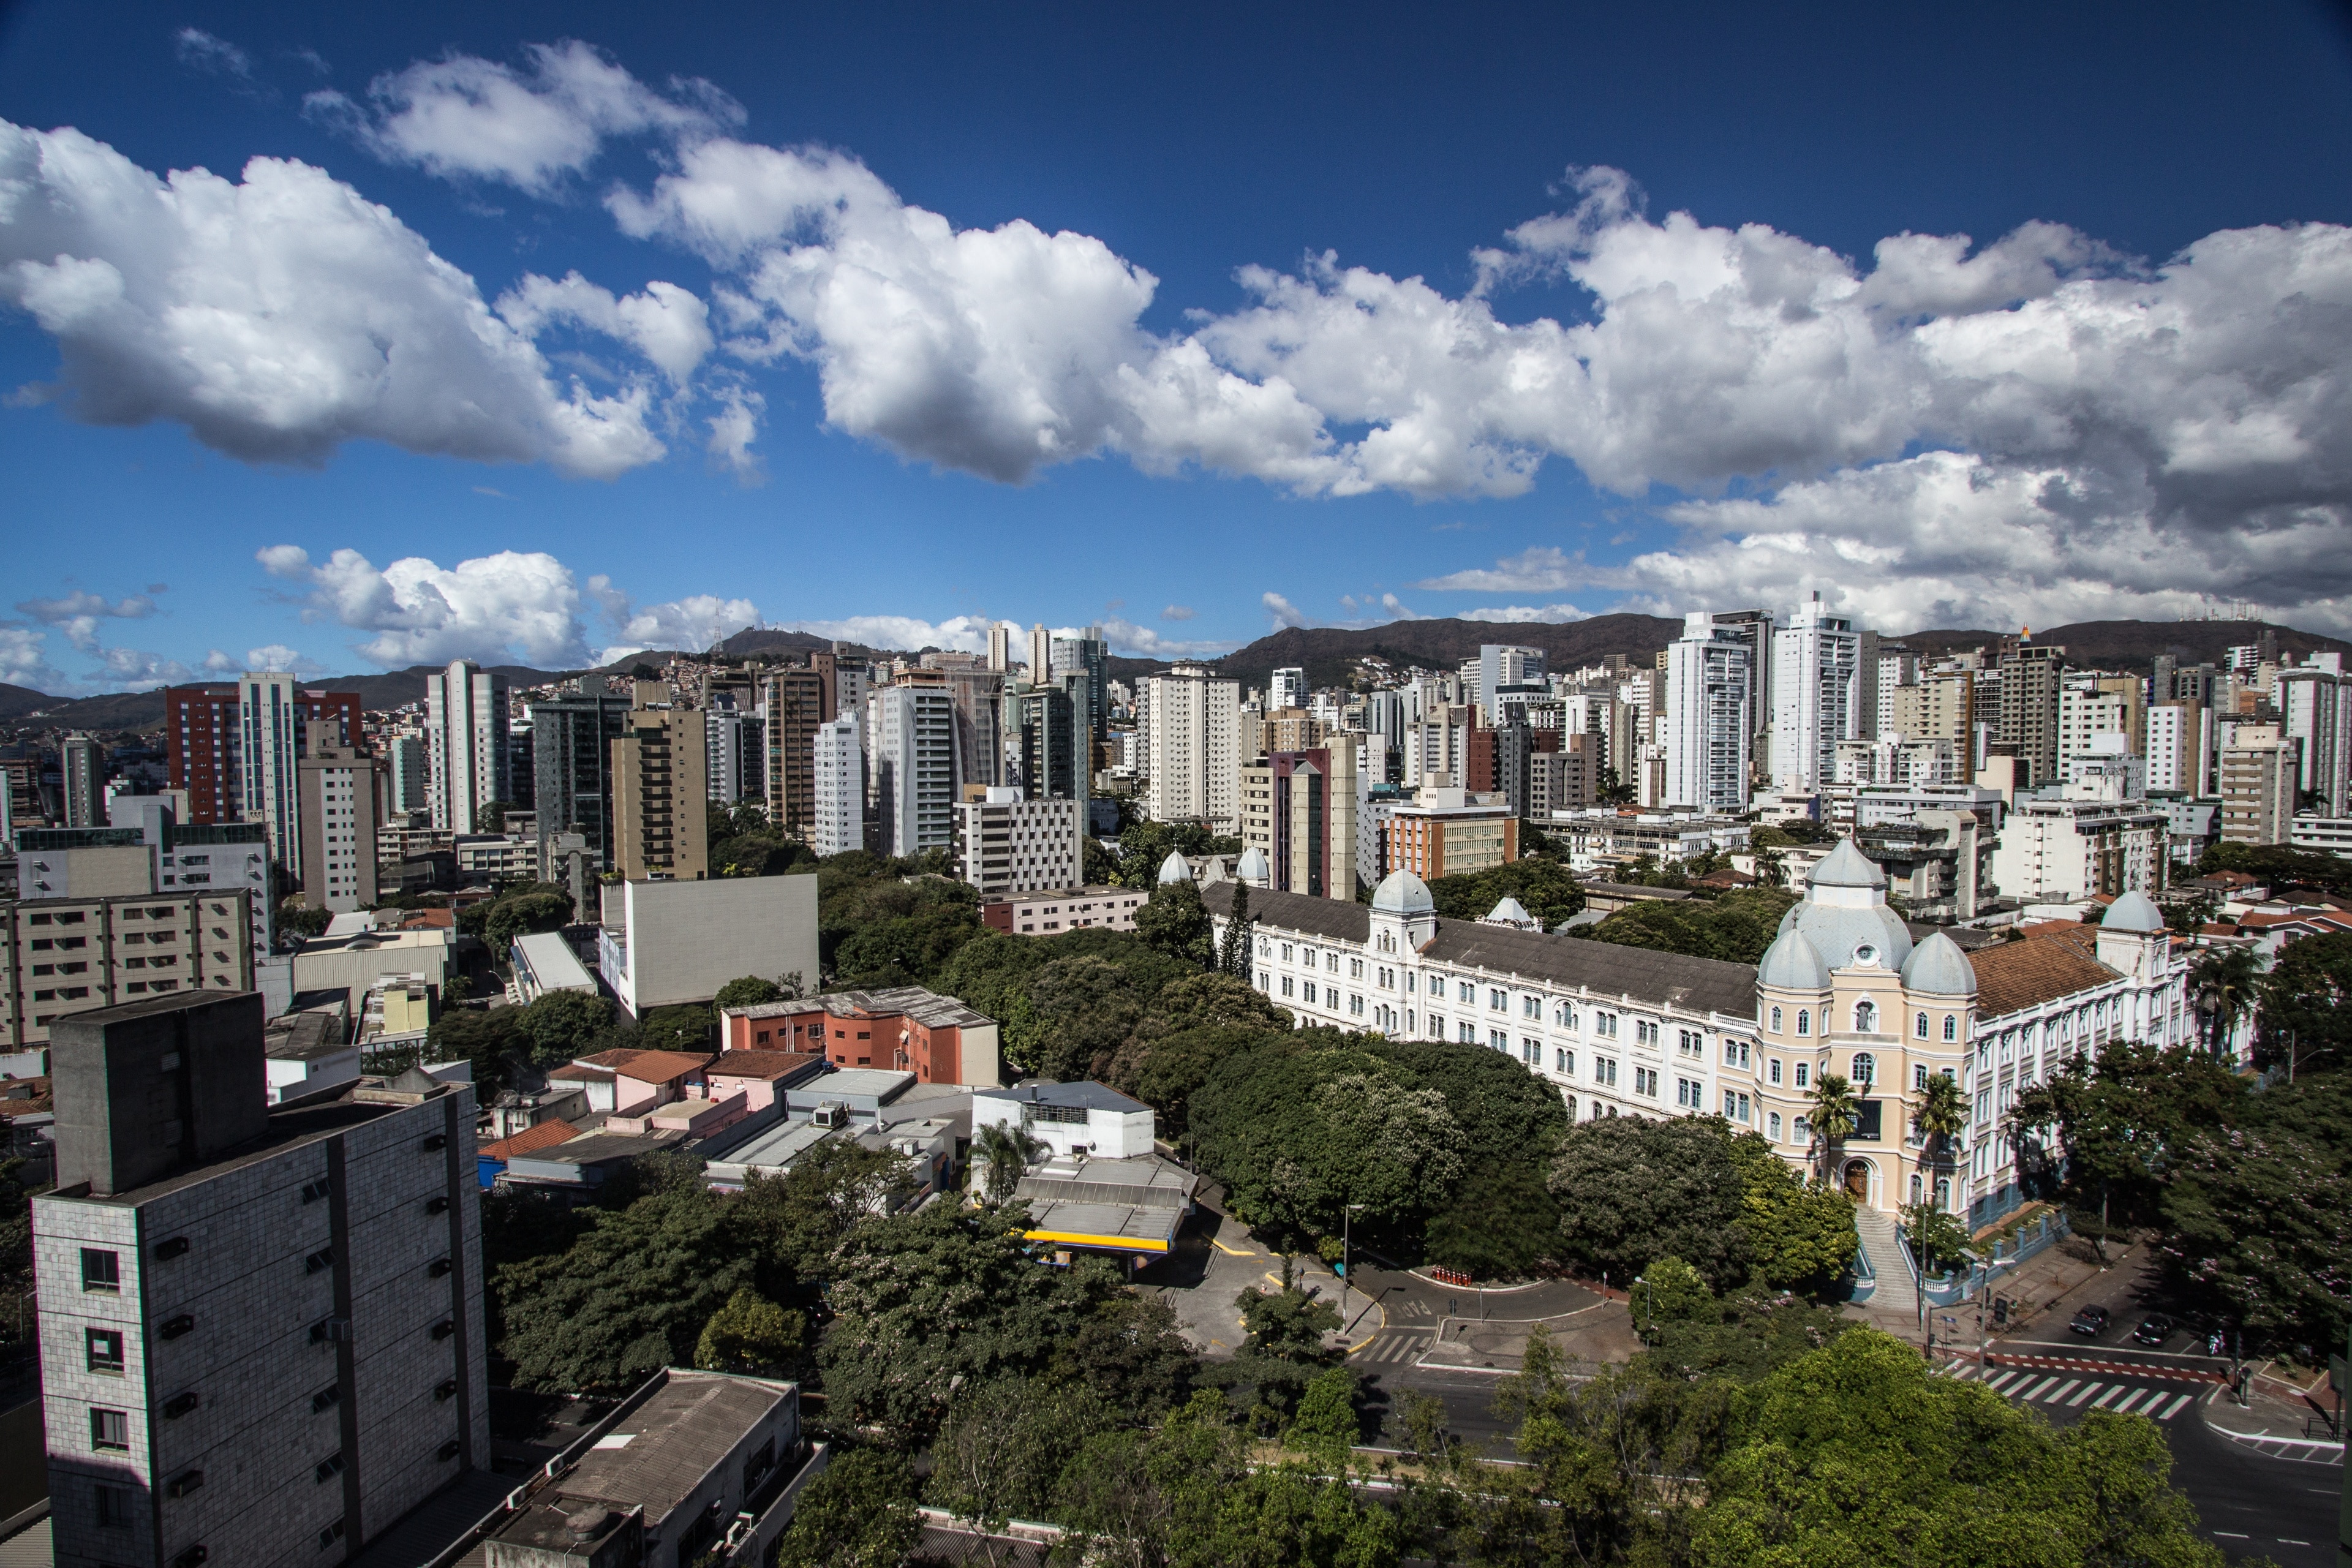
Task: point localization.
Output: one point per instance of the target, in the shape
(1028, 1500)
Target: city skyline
(1544, 354)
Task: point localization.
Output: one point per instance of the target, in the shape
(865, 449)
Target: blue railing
(1862, 1280)
(1944, 1290)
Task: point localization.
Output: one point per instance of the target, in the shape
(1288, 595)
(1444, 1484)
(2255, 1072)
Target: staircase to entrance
(1897, 1290)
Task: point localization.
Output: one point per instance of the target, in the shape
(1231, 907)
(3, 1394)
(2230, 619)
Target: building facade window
(1804, 1021)
(1919, 1025)
(1804, 1072)
(1865, 1068)
(1604, 1070)
(1866, 1016)
(110, 1430)
(1951, 1026)
(105, 1351)
(102, 1271)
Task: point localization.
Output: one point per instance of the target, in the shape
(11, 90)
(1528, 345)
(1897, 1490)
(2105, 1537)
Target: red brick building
(201, 750)
(908, 1029)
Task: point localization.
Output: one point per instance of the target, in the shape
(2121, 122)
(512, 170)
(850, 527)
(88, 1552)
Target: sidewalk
(1599, 1333)
(2035, 1290)
(2269, 1424)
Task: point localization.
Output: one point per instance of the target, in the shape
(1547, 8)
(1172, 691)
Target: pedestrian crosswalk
(1392, 1348)
(2160, 1402)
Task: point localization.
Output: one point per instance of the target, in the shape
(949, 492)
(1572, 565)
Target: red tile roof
(2014, 975)
(546, 1135)
(769, 1065)
(647, 1067)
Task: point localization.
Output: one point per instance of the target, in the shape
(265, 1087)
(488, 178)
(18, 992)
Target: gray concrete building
(261, 1330)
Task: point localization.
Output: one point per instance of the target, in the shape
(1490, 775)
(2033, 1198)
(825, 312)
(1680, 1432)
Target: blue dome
(1403, 893)
(1939, 967)
(1791, 963)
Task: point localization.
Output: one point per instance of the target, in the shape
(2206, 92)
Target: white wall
(686, 940)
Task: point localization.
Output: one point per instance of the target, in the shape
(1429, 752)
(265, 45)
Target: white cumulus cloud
(1284, 613)
(1143, 642)
(464, 117)
(687, 624)
(958, 633)
(279, 317)
(495, 608)
(1554, 615)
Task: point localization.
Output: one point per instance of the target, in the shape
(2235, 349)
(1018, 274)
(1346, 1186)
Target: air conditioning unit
(831, 1113)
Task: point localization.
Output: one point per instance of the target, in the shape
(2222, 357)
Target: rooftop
(645, 1067)
(1566, 962)
(926, 1007)
(768, 1066)
(1079, 1096)
(2051, 961)
(546, 1135)
(658, 1453)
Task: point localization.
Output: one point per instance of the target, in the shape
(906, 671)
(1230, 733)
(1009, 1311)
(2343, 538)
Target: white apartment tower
(839, 822)
(1816, 694)
(269, 724)
(1706, 726)
(404, 761)
(1191, 730)
(1008, 844)
(1500, 665)
(1287, 688)
(466, 745)
(2315, 703)
(914, 766)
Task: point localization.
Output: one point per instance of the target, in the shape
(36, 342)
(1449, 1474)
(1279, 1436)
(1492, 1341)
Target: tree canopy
(1547, 889)
(1736, 927)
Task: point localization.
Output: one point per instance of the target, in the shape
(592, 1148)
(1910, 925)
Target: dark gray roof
(1079, 1096)
(1334, 917)
(1700, 985)
(673, 1440)
(1561, 963)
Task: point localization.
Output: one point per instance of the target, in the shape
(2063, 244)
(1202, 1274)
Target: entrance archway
(1857, 1179)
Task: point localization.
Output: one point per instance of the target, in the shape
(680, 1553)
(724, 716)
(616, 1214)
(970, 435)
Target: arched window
(1915, 1186)
(1565, 1016)
(1951, 1026)
(1866, 1016)
(1919, 1025)
(1804, 1021)
(1776, 1020)
(1943, 1192)
(1865, 1068)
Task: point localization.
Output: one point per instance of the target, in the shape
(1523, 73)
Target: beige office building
(661, 798)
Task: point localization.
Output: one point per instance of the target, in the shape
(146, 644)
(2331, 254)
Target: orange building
(907, 1029)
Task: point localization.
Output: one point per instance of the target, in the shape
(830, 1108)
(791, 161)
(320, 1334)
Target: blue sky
(891, 319)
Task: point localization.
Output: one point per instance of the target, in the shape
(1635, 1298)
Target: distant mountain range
(1327, 654)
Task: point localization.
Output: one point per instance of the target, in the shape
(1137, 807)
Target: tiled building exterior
(1626, 1031)
(262, 1335)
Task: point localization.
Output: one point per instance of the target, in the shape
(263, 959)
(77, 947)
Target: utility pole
(1347, 1217)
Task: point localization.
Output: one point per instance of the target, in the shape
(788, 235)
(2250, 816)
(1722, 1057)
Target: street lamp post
(1346, 1265)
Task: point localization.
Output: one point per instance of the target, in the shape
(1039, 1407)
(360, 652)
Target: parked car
(2153, 1330)
(2090, 1322)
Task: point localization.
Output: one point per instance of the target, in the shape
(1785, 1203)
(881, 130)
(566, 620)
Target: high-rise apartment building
(337, 787)
(571, 763)
(2032, 676)
(1564, 780)
(979, 697)
(1190, 728)
(404, 764)
(733, 769)
(2315, 704)
(1501, 667)
(2177, 737)
(1087, 655)
(1755, 627)
(270, 740)
(1286, 688)
(205, 750)
(914, 763)
(2090, 704)
(1306, 830)
(838, 780)
(1003, 636)
(81, 766)
(1005, 845)
(1898, 667)
(798, 700)
(1706, 727)
(466, 745)
(1041, 655)
(2258, 769)
(661, 800)
(1817, 694)
(262, 1334)
(1047, 746)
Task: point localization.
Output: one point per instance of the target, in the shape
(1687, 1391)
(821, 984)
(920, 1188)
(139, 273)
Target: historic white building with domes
(1844, 989)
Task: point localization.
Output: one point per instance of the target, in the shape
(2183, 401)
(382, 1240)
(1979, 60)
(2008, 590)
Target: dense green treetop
(1736, 927)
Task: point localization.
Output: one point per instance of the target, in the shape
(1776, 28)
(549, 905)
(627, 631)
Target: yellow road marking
(1231, 1251)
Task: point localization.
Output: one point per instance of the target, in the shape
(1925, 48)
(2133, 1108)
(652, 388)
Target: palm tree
(1005, 1152)
(1835, 1114)
(1943, 1113)
(2223, 985)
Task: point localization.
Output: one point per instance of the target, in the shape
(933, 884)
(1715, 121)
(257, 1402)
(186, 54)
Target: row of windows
(1865, 1021)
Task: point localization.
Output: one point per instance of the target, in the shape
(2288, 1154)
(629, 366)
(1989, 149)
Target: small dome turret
(1174, 870)
(1792, 964)
(1253, 868)
(1939, 967)
(1403, 893)
(2133, 911)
